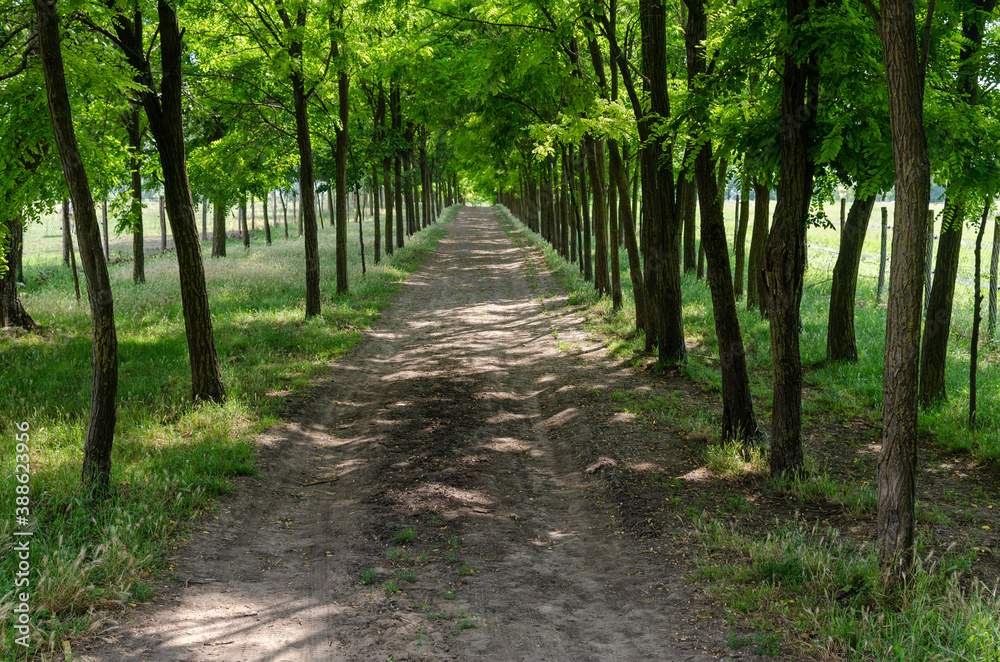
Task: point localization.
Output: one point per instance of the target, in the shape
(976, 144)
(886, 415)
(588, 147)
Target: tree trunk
(937, 320)
(664, 231)
(841, 342)
(218, 229)
(898, 460)
(977, 317)
(741, 236)
(756, 288)
(628, 225)
(687, 201)
(598, 186)
(104, 388)
(785, 253)
(244, 229)
(738, 418)
(204, 218)
(12, 313)
(378, 220)
(267, 224)
(361, 229)
(343, 96)
(991, 325)
(163, 226)
(133, 128)
(68, 235)
(163, 109)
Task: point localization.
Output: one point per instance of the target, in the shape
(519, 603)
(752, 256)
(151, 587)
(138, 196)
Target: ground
(480, 480)
(449, 492)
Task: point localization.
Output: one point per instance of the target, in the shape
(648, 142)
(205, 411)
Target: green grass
(171, 457)
(405, 535)
(816, 592)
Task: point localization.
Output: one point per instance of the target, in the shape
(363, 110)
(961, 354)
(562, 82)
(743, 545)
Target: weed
(466, 569)
(418, 606)
(437, 615)
(453, 542)
(407, 575)
(397, 554)
(450, 594)
(451, 558)
(423, 557)
(390, 586)
(734, 459)
(405, 535)
(367, 577)
(465, 624)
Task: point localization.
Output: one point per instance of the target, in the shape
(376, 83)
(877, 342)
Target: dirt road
(470, 420)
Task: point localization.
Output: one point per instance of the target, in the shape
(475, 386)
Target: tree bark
(104, 389)
(977, 317)
(163, 109)
(738, 418)
(937, 320)
(343, 99)
(68, 235)
(898, 460)
(244, 229)
(841, 341)
(785, 253)
(12, 312)
(756, 288)
(163, 226)
(218, 228)
(628, 225)
(991, 324)
(663, 248)
(741, 236)
(267, 224)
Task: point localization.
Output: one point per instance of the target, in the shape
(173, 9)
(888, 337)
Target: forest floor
(453, 490)
(481, 480)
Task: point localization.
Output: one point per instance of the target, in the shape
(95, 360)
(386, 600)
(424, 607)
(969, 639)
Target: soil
(475, 418)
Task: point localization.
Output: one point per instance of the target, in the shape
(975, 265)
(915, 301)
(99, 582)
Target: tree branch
(482, 22)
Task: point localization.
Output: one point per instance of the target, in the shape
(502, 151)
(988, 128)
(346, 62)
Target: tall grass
(823, 587)
(171, 457)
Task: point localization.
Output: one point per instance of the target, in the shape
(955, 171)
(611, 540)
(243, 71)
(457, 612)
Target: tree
(904, 75)
(101, 424)
(163, 110)
(738, 418)
(937, 323)
(785, 253)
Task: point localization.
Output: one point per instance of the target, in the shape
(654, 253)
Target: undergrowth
(823, 587)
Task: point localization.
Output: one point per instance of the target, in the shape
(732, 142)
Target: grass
(171, 457)
(823, 587)
(405, 535)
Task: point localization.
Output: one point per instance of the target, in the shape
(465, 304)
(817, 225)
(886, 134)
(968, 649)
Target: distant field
(43, 240)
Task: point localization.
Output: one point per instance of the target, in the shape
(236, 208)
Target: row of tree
(599, 123)
(140, 101)
(800, 96)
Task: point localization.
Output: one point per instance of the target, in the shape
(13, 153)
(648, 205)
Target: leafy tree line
(601, 125)
(803, 97)
(164, 94)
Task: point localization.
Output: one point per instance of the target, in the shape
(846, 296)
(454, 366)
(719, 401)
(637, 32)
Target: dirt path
(469, 416)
